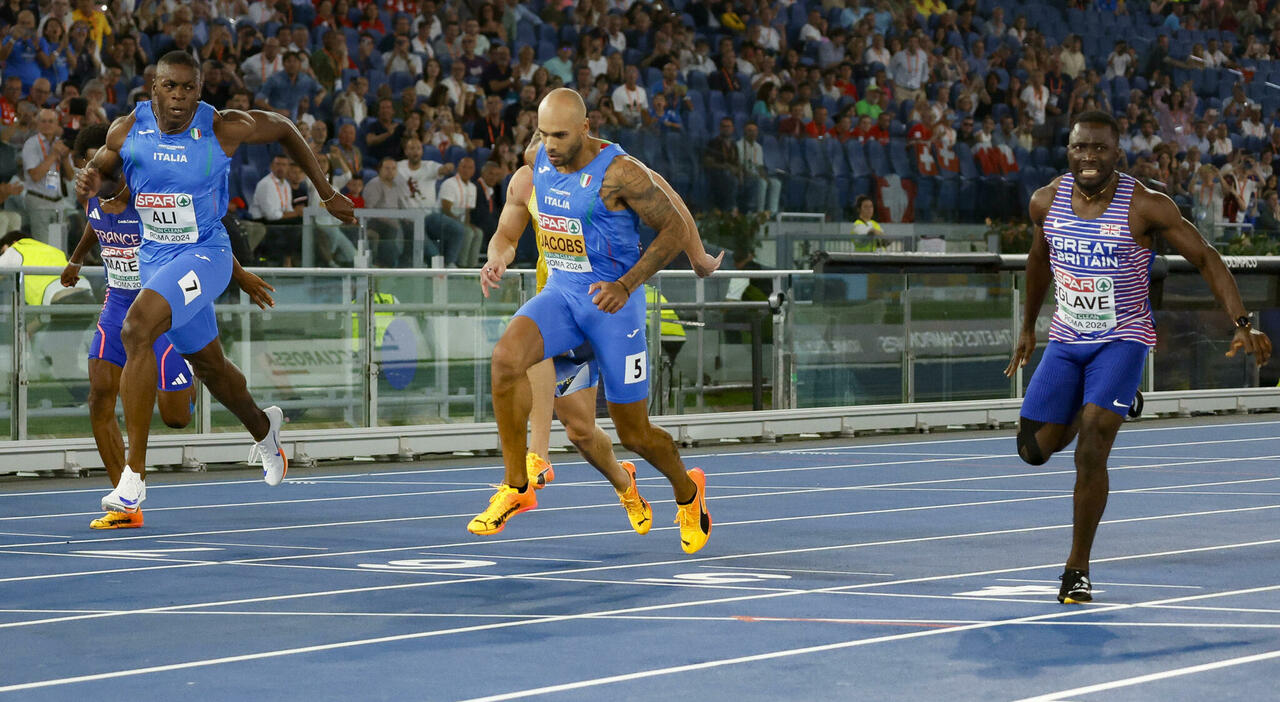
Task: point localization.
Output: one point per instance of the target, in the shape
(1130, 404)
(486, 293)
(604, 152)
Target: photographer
(47, 163)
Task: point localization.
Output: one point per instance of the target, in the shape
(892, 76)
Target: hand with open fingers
(1251, 341)
(1021, 353)
(609, 295)
(491, 276)
(256, 288)
(706, 264)
(88, 180)
(342, 208)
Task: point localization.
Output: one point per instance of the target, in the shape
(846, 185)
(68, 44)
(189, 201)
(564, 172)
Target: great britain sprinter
(113, 224)
(568, 381)
(591, 197)
(175, 154)
(1095, 232)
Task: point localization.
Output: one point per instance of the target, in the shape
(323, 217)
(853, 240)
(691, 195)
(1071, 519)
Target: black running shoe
(1135, 409)
(1076, 587)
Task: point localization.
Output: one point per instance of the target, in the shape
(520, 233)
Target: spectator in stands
(1121, 62)
(1268, 221)
(351, 102)
(432, 77)
(41, 95)
(461, 92)
(283, 91)
(19, 49)
(763, 109)
(420, 175)
(330, 60)
(217, 85)
(382, 138)
(630, 100)
(762, 190)
(1251, 125)
(909, 69)
(367, 57)
(1147, 140)
(725, 78)
(793, 125)
(258, 68)
(699, 59)
(273, 205)
(869, 105)
(47, 166)
(661, 117)
(561, 65)
(345, 156)
(445, 132)
(386, 235)
(457, 200)
(1221, 143)
(54, 54)
(877, 53)
(99, 26)
(491, 128)
(498, 78)
(401, 59)
(818, 128)
(815, 30)
(724, 173)
(524, 68)
(489, 202)
(471, 30)
(472, 59)
(444, 45)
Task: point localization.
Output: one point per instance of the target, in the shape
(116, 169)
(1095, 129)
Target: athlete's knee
(205, 368)
(1029, 449)
(579, 433)
(509, 361)
(136, 335)
(102, 402)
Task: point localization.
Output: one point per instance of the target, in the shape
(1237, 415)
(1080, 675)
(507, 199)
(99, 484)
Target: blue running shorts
(172, 371)
(190, 282)
(1069, 376)
(576, 370)
(566, 317)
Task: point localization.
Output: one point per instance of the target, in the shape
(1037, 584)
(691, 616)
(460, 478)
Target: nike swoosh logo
(1117, 403)
(203, 258)
(128, 502)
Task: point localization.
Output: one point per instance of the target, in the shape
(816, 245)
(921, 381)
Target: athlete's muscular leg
(104, 387)
(515, 353)
(227, 384)
(1037, 441)
(577, 412)
(542, 386)
(655, 445)
(175, 407)
(1098, 427)
(147, 319)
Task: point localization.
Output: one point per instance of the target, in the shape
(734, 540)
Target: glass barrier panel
(1193, 333)
(961, 333)
(8, 284)
(304, 354)
(846, 339)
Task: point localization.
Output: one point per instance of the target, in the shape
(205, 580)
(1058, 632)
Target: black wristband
(1242, 322)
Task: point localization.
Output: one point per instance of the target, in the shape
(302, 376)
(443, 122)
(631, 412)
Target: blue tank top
(178, 181)
(581, 240)
(119, 235)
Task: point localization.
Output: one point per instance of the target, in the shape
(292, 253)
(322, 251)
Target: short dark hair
(1098, 117)
(13, 236)
(179, 58)
(93, 136)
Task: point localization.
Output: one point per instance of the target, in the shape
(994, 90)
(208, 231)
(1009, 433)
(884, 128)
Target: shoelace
(631, 500)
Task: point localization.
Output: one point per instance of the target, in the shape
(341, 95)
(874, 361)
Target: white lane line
(799, 570)
(1243, 610)
(452, 554)
(600, 681)
(1004, 436)
(1152, 677)
(43, 536)
(219, 543)
(1108, 583)
(786, 653)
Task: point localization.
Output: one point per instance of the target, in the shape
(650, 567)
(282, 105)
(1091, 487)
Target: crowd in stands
(929, 110)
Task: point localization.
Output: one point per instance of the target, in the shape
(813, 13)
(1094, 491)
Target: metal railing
(866, 341)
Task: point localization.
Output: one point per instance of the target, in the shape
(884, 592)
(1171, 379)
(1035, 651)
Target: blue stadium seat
(876, 158)
(900, 160)
(547, 33)
(399, 80)
(775, 160)
(455, 154)
(795, 187)
(859, 171)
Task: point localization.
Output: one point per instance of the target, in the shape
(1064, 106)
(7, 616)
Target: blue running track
(890, 568)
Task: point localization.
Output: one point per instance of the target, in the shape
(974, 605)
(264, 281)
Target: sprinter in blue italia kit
(175, 154)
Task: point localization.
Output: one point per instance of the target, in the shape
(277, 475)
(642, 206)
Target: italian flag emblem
(195, 133)
(585, 180)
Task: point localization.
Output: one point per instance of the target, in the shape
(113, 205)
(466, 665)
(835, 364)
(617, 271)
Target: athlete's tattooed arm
(628, 183)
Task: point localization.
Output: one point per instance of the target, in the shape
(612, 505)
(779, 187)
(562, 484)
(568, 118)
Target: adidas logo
(94, 214)
(181, 379)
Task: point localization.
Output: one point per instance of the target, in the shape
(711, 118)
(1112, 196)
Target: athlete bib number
(122, 267)
(1085, 304)
(167, 218)
(563, 246)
